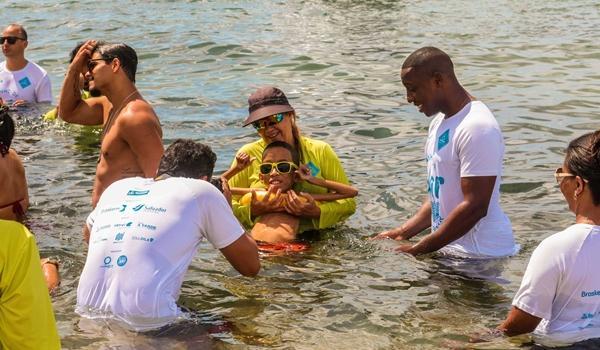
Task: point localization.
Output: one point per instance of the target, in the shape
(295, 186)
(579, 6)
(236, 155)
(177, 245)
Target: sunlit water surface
(535, 63)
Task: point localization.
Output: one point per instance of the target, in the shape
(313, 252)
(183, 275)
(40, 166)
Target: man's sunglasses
(281, 167)
(268, 121)
(92, 63)
(11, 39)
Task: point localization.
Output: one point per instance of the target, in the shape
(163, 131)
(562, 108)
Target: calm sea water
(535, 63)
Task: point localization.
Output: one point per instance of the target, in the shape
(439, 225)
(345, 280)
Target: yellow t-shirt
(26, 316)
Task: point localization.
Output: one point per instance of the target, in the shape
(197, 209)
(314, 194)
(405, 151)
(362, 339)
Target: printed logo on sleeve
(314, 169)
(24, 83)
(137, 193)
(443, 139)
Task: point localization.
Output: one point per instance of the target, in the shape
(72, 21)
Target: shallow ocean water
(534, 63)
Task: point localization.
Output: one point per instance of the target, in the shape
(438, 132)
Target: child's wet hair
(281, 144)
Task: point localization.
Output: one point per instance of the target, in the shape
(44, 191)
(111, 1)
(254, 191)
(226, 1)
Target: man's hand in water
(406, 248)
(19, 103)
(272, 202)
(390, 234)
(307, 208)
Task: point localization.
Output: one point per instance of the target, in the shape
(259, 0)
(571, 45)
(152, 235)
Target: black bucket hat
(266, 101)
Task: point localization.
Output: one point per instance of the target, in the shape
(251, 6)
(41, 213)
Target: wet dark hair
(186, 158)
(583, 159)
(429, 60)
(75, 50)
(124, 53)
(7, 130)
(281, 144)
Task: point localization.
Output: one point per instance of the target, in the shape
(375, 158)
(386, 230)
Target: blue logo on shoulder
(137, 193)
(314, 170)
(24, 83)
(443, 139)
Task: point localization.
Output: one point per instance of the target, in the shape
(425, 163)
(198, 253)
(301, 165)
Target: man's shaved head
(429, 60)
(20, 28)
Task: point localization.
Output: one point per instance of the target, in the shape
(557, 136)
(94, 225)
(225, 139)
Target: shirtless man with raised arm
(131, 141)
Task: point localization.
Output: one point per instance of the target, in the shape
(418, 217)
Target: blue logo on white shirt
(138, 207)
(24, 82)
(119, 236)
(137, 193)
(443, 139)
(122, 260)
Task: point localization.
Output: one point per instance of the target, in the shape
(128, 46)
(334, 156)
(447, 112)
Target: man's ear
(115, 64)
(438, 78)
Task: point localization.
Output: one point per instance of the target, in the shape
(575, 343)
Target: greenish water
(534, 63)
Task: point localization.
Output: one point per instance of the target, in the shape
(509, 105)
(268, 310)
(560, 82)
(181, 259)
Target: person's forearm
(518, 322)
(70, 95)
(457, 224)
(417, 223)
(231, 172)
(345, 191)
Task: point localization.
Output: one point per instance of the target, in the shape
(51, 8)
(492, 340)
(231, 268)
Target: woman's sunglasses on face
(560, 176)
(10, 39)
(268, 121)
(281, 167)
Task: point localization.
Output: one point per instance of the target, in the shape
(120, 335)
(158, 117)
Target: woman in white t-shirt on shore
(559, 297)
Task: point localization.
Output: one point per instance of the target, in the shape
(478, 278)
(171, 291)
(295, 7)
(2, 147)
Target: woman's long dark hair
(583, 159)
(7, 130)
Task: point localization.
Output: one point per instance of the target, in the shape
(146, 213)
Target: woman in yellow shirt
(275, 120)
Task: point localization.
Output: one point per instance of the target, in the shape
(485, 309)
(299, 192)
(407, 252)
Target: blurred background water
(534, 63)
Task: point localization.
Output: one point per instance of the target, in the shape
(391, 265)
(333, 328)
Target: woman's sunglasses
(268, 121)
(281, 167)
(11, 39)
(559, 176)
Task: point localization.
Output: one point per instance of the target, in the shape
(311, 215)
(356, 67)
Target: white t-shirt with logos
(562, 286)
(31, 84)
(465, 145)
(144, 234)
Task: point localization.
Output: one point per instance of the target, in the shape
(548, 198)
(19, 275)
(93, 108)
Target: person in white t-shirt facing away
(144, 233)
(21, 81)
(559, 297)
(464, 152)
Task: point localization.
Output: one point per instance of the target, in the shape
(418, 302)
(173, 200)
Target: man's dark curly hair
(186, 158)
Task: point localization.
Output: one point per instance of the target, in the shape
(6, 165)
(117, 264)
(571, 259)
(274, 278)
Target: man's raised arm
(71, 107)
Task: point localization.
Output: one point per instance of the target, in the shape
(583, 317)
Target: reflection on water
(535, 64)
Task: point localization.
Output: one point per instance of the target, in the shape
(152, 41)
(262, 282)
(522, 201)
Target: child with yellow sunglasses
(279, 171)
